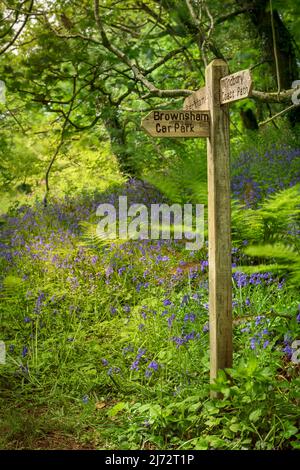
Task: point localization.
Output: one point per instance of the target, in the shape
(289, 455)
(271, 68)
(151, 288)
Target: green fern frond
(272, 222)
(288, 259)
(90, 238)
(262, 268)
(184, 179)
(287, 202)
(277, 251)
(12, 286)
(247, 224)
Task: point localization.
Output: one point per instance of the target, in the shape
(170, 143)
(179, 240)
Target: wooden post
(219, 226)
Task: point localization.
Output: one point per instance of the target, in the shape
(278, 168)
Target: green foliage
(251, 415)
(122, 328)
(183, 177)
(272, 231)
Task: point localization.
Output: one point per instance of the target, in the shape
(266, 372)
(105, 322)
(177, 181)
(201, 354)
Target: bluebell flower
(288, 350)
(246, 329)
(24, 351)
(141, 353)
(204, 265)
(39, 303)
(135, 365)
(167, 302)
(109, 270)
(85, 399)
(178, 340)
(185, 300)
(162, 258)
(205, 328)
(190, 336)
(139, 286)
(259, 319)
(104, 362)
(189, 317)
(153, 365)
(144, 314)
(128, 349)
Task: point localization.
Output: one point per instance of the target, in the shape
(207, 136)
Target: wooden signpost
(219, 223)
(211, 104)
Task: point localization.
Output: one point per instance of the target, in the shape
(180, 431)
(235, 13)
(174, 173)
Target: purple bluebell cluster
(185, 338)
(256, 175)
(243, 280)
(155, 287)
(141, 355)
(152, 367)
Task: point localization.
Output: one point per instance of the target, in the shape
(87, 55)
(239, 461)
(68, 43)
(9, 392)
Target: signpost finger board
(197, 100)
(235, 86)
(177, 123)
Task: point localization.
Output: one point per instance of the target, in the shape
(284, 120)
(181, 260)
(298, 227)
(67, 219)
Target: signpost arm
(219, 226)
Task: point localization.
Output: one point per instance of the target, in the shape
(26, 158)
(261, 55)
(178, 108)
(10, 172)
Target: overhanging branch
(272, 97)
(13, 40)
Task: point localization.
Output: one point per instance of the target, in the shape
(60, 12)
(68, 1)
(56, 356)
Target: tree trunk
(118, 142)
(260, 16)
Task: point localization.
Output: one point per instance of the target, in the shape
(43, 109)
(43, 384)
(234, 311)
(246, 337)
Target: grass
(107, 344)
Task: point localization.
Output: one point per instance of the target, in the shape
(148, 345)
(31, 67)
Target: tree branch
(70, 36)
(286, 110)
(12, 41)
(139, 76)
(10, 27)
(224, 18)
(270, 97)
(165, 59)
